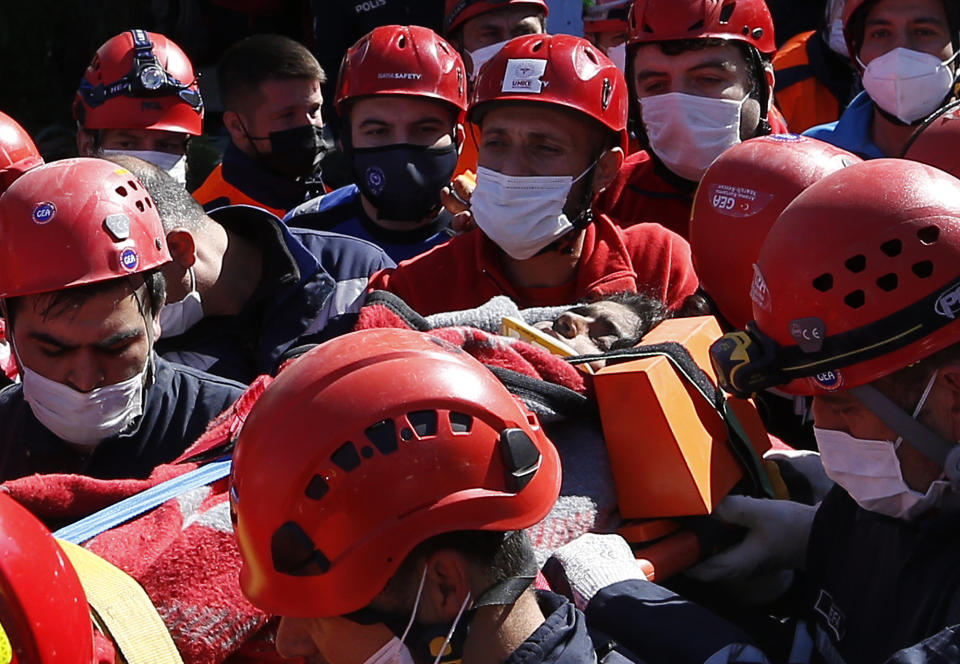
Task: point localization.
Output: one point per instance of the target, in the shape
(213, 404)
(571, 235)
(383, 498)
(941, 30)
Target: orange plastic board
(668, 447)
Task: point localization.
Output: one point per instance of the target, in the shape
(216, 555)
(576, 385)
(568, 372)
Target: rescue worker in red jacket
(552, 111)
(699, 72)
(139, 97)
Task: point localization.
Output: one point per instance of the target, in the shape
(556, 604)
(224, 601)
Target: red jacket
(466, 272)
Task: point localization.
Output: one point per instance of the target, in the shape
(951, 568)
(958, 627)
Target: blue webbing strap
(128, 508)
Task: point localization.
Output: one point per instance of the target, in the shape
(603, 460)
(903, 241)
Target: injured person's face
(596, 328)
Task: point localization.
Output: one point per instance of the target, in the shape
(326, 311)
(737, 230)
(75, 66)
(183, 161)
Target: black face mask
(293, 152)
(403, 181)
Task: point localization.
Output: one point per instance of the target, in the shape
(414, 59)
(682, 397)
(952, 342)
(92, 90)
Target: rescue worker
(815, 80)
(401, 97)
(243, 288)
(478, 29)
(699, 72)
(905, 51)
(81, 245)
(139, 96)
(867, 324)
(605, 25)
(18, 154)
(552, 111)
(270, 90)
(436, 564)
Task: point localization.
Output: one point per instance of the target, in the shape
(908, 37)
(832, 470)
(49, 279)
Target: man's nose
(570, 325)
(86, 374)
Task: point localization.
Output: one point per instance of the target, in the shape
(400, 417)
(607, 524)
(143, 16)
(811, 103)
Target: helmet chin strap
(934, 447)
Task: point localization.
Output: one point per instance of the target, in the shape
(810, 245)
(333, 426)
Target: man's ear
(235, 127)
(608, 165)
(771, 80)
(182, 247)
(446, 586)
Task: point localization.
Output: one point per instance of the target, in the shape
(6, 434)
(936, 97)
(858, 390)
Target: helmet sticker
(759, 292)
(736, 201)
(785, 138)
(831, 381)
(403, 76)
(6, 650)
(376, 180)
(129, 260)
(948, 304)
(44, 213)
(808, 333)
(523, 75)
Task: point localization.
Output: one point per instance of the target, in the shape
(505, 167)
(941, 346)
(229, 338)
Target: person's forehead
(144, 134)
(112, 308)
(650, 57)
(509, 15)
(538, 119)
(399, 109)
(906, 10)
(278, 93)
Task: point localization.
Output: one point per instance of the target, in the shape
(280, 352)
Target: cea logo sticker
(831, 381)
(129, 260)
(44, 213)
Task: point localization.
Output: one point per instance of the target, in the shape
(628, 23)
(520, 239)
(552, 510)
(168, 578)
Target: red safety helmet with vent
(740, 196)
(606, 16)
(458, 12)
(403, 60)
(75, 222)
(44, 617)
(18, 154)
(367, 446)
(859, 277)
(140, 80)
(560, 70)
(937, 141)
(746, 21)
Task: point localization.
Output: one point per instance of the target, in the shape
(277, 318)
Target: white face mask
(618, 56)
(870, 471)
(84, 418)
(522, 214)
(482, 56)
(687, 132)
(908, 84)
(174, 164)
(178, 317)
(394, 652)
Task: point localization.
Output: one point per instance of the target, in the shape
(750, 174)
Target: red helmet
(859, 277)
(458, 12)
(44, 617)
(606, 16)
(74, 222)
(402, 60)
(560, 70)
(937, 141)
(367, 446)
(738, 20)
(140, 80)
(18, 154)
(740, 196)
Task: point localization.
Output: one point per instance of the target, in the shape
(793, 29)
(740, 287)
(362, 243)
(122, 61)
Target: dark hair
(57, 303)
(246, 65)
(176, 207)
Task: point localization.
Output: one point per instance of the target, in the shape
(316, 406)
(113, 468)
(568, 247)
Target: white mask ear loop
(416, 605)
(453, 627)
(920, 404)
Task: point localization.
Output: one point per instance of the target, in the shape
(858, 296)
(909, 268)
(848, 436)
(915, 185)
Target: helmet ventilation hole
(923, 269)
(148, 201)
(383, 435)
(537, 46)
(824, 282)
(892, 247)
(317, 488)
(121, 190)
(727, 12)
(140, 206)
(406, 434)
(888, 282)
(133, 185)
(855, 299)
(402, 41)
(928, 234)
(856, 263)
(424, 422)
(346, 457)
(460, 422)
